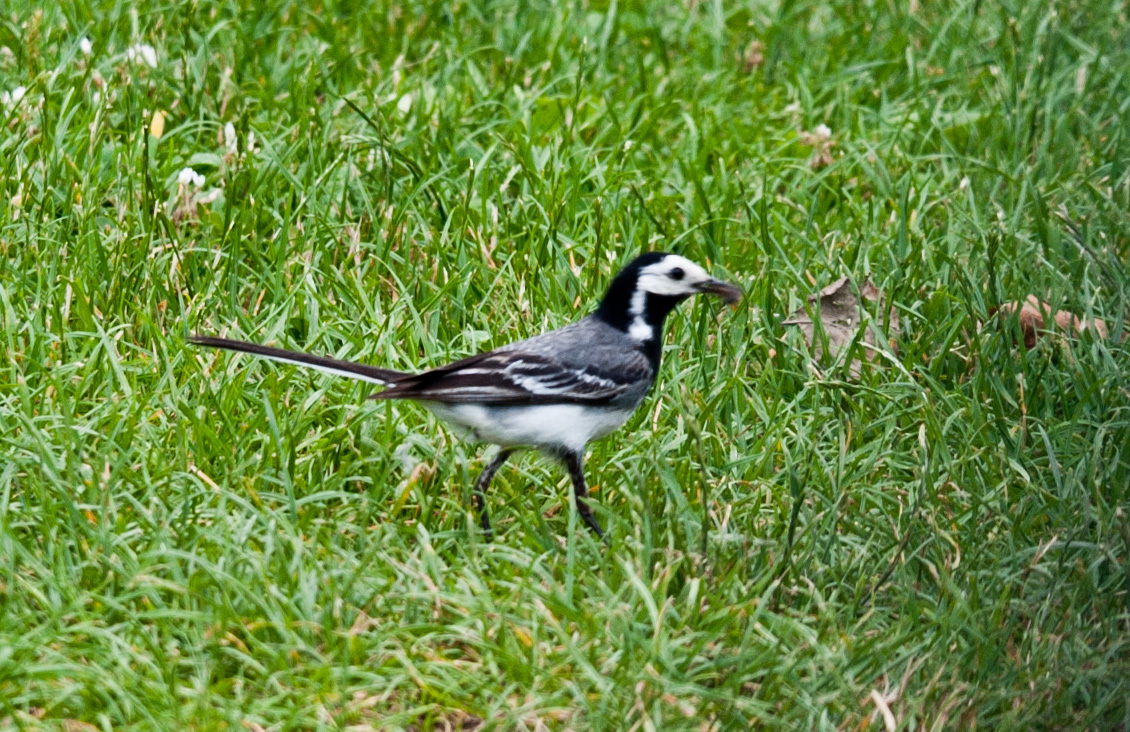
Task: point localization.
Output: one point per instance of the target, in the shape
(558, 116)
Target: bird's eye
(677, 274)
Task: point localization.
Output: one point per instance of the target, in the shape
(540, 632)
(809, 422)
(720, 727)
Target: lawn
(939, 539)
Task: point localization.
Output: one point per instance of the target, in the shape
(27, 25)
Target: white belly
(547, 425)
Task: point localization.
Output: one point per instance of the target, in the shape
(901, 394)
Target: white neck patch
(639, 330)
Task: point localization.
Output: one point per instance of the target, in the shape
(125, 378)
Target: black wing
(506, 378)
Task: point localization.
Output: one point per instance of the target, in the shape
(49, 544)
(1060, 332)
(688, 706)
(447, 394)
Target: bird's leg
(577, 474)
(483, 482)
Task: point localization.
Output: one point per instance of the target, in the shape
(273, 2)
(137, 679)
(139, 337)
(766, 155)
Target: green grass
(190, 540)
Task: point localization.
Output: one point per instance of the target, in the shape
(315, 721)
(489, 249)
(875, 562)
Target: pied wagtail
(554, 392)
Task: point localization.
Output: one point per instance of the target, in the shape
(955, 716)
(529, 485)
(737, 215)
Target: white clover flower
(149, 55)
(404, 105)
(230, 139)
(86, 46)
(14, 97)
(188, 176)
(143, 53)
(820, 140)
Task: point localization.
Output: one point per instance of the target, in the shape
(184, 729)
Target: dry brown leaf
(841, 314)
(362, 624)
(1071, 321)
(422, 472)
(753, 56)
(1034, 317)
(76, 725)
(1030, 314)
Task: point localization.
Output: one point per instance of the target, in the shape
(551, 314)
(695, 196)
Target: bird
(554, 392)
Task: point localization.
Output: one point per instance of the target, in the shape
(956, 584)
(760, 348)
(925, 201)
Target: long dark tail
(348, 369)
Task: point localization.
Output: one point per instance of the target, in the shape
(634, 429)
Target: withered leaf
(77, 725)
(841, 314)
(1034, 316)
(753, 56)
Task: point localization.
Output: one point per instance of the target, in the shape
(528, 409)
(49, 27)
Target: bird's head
(646, 290)
(669, 275)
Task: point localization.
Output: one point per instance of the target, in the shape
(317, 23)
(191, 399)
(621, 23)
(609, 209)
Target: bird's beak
(730, 294)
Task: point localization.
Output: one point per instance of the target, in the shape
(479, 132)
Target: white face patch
(672, 276)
